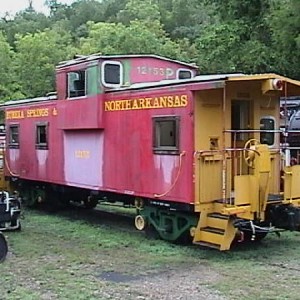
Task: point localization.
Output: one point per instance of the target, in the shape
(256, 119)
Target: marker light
(277, 84)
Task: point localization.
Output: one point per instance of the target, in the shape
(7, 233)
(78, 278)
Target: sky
(13, 6)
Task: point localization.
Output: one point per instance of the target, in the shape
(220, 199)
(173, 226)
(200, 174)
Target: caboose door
(240, 122)
(241, 125)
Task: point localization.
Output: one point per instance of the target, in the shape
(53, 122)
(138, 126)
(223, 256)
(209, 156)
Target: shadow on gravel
(118, 277)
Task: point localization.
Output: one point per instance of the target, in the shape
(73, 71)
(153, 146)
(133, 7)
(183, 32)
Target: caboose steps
(217, 221)
(215, 230)
(209, 245)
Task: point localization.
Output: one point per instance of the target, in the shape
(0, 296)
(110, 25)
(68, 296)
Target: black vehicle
(10, 211)
(3, 248)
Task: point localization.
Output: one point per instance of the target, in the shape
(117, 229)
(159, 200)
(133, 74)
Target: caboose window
(166, 135)
(14, 136)
(112, 74)
(184, 74)
(41, 136)
(76, 84)
(267, 123)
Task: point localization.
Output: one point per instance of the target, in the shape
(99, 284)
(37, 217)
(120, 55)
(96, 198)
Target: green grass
(63, 256)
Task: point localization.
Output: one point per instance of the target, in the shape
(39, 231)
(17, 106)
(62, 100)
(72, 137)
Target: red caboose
(195, 154)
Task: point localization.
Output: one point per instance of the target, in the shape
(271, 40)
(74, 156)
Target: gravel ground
(189, 284)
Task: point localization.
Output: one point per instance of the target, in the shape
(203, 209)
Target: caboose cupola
(88, 78)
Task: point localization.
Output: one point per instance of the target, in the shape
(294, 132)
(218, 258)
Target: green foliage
(220, 36)
(137, 37)
(224, 48)
(8, 83)
(23, 23)
(187, 18)
(144, 11)
(111, 8)
(285, 24)
(36, 57)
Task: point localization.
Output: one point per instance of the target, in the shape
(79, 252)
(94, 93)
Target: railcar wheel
(3, 248)
(250, 152)
(90, 202)
(151, 232)
(33, 197)
(140, 222)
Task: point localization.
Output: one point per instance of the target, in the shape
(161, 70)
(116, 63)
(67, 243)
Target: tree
(8, 85)
(241, 40)
(111, 8)
(222, 49)
(139, 10)
(27, 21)
(187, 18)
(82, 12)
(137, 38)
(36, 57)
(285, 23)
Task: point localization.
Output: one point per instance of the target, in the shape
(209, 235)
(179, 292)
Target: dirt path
(189, 284)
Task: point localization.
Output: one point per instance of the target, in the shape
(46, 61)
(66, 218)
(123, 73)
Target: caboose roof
(293, 86)
(218, 77)
(29, 100)
(88, 58)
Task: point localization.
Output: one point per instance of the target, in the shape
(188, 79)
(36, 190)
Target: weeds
(63, 256)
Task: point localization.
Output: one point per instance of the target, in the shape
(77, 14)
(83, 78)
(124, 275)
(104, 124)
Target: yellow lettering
(38, 112)
(118, 105)
(135, 104)
(30, 113)
(107, 106)
(82, 153)
(177, 101)
(123, 104)
(163, 101)
(170, 101)
(128, 104)
(112, 105)
(14, 114)
(156, 103)
(148, 102)
(184, 100)
(140, 103)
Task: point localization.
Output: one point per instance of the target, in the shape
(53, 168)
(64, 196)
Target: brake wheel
(250, 152)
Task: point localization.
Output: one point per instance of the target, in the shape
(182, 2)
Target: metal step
(213, 230)
(217, 221)
(218, 216)
(209, 245)
(211, 237)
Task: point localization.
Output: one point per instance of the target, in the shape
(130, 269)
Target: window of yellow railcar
(267, 136)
